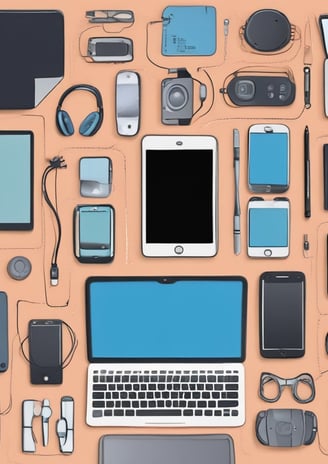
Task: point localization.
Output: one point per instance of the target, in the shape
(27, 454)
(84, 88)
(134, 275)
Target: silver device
(127, 103)
(65, 425)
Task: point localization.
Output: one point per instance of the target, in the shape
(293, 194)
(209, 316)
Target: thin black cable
(150, 23)
(55, 213)
(202, 100)
(74, 343)
(213, 92)
(55, 164)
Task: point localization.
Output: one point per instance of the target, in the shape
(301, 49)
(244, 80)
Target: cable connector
(54, 274)
(58, 162)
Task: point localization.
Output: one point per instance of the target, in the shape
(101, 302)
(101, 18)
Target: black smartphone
(45, 351)
(282, 314)
(94, 233)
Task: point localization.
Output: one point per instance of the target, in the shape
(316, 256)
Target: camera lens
(245, 89)
(177, 97)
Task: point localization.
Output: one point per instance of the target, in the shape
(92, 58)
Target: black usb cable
(55, 163)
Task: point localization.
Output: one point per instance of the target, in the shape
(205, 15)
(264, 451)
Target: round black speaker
(267, 30)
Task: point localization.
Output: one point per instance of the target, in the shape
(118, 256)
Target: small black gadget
(286, 427)
(260, 90)
(90, 124)
(3, 332)
(282, 314)
(45, 351)
(110, 49)
(19, 267)
(267, 30)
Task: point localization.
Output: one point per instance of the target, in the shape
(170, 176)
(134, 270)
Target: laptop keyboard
(157, 393)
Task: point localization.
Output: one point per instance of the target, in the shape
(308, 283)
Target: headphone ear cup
(90, 124)
(64, 123)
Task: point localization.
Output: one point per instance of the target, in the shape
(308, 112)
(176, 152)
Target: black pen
(307, 192)
(236, 214)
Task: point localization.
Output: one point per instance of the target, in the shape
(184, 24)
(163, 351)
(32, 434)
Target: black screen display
(283, 315)
(179, 196)
(45, 344)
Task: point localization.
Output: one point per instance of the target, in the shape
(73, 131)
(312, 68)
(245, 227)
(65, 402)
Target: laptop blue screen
(143, 319)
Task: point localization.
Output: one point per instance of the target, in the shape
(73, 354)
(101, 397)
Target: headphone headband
(91, 123)
(87, 88)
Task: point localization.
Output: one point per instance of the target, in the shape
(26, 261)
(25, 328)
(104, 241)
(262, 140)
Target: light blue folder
(189, 31)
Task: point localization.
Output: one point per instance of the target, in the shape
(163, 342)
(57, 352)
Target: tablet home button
(267, 252)
(178, 250)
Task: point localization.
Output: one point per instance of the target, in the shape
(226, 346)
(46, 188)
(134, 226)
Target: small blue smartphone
(268, 228)
(268, 158)
(94, 233)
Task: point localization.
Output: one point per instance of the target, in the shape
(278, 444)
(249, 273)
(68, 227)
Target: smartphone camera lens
(245, 89)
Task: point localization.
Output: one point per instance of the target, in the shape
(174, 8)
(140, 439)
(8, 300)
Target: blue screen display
(268, 227)
(183, 319)
(268, 159)
(95, 226)
(15, 179)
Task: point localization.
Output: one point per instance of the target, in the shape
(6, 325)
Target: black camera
(257, 90)
(177, 98)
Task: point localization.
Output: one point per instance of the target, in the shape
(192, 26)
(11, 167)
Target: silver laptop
(166, 351)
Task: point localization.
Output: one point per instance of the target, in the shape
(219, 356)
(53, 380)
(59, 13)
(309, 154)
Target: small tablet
(16, 180)
(179, 196)
(166, 449)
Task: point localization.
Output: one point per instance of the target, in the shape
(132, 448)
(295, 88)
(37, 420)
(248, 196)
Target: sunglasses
(271, 387)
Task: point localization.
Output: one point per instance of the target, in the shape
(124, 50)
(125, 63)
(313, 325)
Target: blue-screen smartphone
(94, 233)
(268, 158)
(268, 228)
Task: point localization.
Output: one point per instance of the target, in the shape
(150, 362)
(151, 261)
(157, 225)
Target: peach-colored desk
(66, 301)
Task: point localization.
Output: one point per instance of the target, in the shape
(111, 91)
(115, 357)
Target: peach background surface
(38, 300)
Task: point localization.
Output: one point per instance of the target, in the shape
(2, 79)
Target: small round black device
(267, 30)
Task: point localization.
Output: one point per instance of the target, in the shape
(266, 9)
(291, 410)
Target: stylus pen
(307, 192)
(236, 214)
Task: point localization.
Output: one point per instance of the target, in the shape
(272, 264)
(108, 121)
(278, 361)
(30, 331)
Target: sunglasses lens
(304, 389)
(270, 389)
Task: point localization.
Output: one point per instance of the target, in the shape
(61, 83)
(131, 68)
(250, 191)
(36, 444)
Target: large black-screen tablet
(16, 180)
(166, 319)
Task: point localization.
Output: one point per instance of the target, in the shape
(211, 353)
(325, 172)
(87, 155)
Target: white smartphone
(268, 158)
(268, 228)
(179, 196)
(127, 102)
